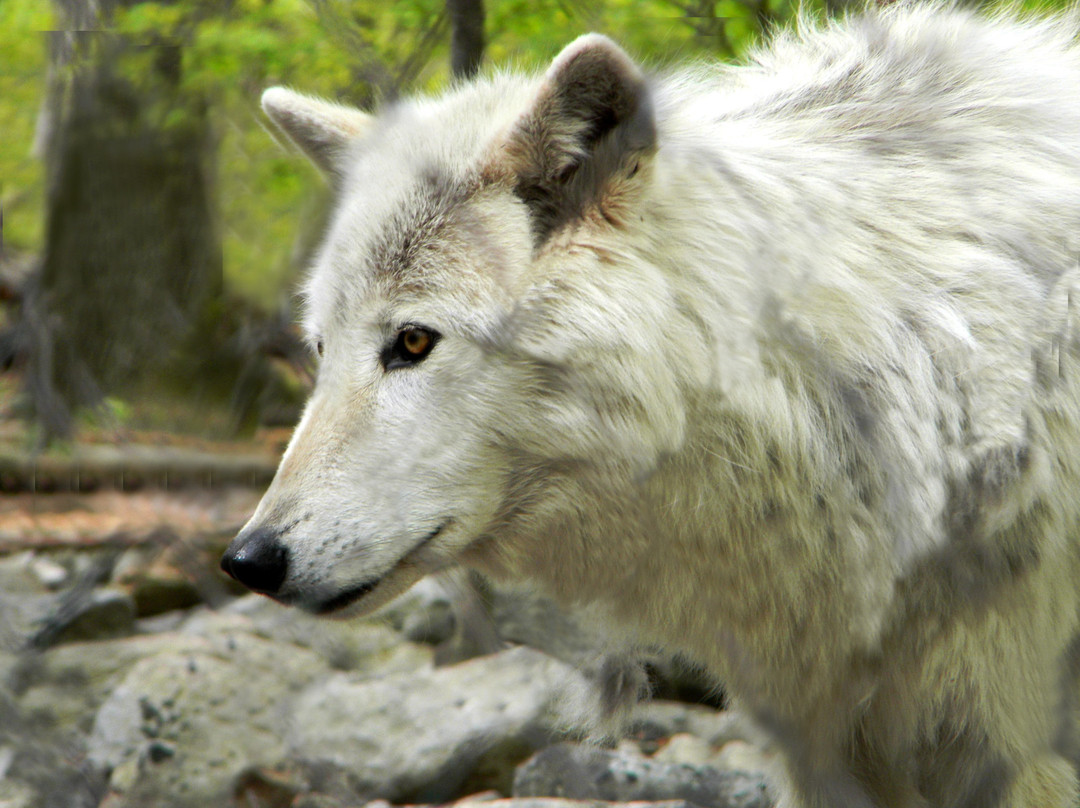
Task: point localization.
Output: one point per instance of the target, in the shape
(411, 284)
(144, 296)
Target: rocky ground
(133, 675)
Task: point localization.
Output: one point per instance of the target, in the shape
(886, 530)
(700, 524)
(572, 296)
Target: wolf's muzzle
(257, 561)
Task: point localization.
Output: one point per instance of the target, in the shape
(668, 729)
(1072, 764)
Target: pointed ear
(591, 123)
(320, 128)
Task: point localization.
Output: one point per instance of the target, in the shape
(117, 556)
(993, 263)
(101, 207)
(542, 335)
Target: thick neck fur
(858, 387)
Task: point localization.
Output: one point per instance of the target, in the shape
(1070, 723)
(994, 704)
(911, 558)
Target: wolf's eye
(411, 345)
(319, 347)
(416, 341)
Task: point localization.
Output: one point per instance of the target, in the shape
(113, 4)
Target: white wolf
(778, 364)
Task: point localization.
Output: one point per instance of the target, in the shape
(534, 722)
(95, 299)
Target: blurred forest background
(153, 227)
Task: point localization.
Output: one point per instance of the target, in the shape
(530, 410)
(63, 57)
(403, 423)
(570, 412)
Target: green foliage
(231, 52)
(352, 51)
(112, 413)
(22, 85)
(658, 31)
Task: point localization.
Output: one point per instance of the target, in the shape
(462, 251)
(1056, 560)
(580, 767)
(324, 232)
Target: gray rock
(432, 596)
(43, 764)
(368, 646)
(667, 718)
(81, 613)
(25, 602)
(22, 616)
(555, 802)
(181, 726)
(431, 735)
(156, 593)
(17, 576)
(67, 684)
(33, 614)
(134, 561)
(267, 787)
(14, 794)
(161, 578)
(102, 614)
(588, 773)
(684, 748)
(432, 626)
(320, 801)
(164, 623)
(49, 573)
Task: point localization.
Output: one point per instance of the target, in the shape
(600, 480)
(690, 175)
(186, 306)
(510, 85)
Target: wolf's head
(482, 337)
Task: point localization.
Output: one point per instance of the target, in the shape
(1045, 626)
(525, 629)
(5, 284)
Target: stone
(429, 601)
(313, 800)
(267, 787)
(161, 590)
(26, 602)
(432, 626)
(134, 561)
(165, 575)
(17, 575)
(67, 684)
(44, 764)
(163, 623)
(554, 802)
(742, 756)
(181, 727)
(49, 573)
(684, 748)
(14, 794)
(104, 613)
(22, 617)
(588, 773)
(668, 718)
(368, 646)
(33, 614)
(430, 735)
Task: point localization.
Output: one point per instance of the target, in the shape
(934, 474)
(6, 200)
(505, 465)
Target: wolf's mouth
(355, 593)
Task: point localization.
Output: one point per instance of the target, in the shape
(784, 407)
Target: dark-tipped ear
(320, 128)
(591, 120)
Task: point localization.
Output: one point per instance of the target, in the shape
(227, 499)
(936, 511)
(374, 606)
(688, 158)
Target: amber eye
(319, 347)
(416, 341)
(411, 345)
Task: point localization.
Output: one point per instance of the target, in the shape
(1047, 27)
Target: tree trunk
(132, 258)
(467, 37)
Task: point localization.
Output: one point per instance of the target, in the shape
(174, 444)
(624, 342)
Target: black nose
(257, 561)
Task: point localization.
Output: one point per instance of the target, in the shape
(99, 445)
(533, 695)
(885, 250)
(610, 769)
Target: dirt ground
(71, 519)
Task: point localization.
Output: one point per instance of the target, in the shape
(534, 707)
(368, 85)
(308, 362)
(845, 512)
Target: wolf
(776, 366)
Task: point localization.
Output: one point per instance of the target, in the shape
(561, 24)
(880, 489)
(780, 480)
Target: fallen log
(129, 468)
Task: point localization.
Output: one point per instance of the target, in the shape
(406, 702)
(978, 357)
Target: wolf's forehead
(378, 240)
(381, 233)
(409, 185)
(406, 231)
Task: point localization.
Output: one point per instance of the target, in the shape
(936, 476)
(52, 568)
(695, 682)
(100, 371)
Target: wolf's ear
(320, 128)
(591, 121)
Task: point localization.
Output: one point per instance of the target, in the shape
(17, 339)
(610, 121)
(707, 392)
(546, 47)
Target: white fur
(805, 409)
